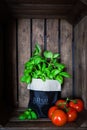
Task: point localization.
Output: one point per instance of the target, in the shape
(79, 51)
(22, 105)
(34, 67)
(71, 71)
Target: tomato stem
(67, 100)
(73, 100)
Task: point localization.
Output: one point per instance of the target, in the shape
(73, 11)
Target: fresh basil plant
(44, 66)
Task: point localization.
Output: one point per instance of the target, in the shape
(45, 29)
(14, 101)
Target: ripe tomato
(78, 104)
(72, 114)
(51, 110)
(61, 103)
(59, 118)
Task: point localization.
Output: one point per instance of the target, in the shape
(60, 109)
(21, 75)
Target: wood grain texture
(23, 56)
(77, 61)
(71, 10)
(45, 123)
(66, 56)
(52, 35)
(81, 60)
(37, 32)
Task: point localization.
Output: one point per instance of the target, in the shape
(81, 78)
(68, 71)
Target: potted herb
(44, 74)
(44, 66)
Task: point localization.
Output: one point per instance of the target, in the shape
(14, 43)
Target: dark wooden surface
(66, 56)
(45, 123)
(73, 10)
(80, 60)
(52, 35)
(23, 45)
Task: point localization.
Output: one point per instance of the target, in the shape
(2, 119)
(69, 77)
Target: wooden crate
(18, 35)
(56, 35)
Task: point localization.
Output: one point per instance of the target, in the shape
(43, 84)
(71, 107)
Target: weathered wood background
(80, 56)
(56, 35)
(49, 28)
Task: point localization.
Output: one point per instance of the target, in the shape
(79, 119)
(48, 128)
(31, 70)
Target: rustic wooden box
(24, 23)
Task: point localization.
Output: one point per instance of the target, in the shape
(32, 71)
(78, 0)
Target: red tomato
(51, 110)
(59, 118)
(61, 103)
(78, 104)
(72, 114)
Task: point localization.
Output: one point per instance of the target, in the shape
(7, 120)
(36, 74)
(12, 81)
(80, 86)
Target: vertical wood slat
(23, 56)
(37, 32)
(52, 35)
(1, 61)
(66, 55)
(77, 61)
(10, 86)
(81, 60)
(12, 54)
(84, 87)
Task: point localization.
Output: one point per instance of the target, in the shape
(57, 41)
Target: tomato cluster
(65, 110)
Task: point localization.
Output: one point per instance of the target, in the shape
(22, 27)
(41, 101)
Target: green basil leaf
(28, 79)
(37, 49)
(59, 78)
(43, 66)
(65, 74)
(38, 72)
(55, 72)
(30, 67)
(39, 66)
(37, 60)
(27, 71)
(34, 75)
(35, 52)
(50, 76)
(23, 78)
(47, 71)
(59, 65)
(48, 54)
(43, 77)
(34, 115)
(29, 117)
(22, 117)
(50, 66)
(29, 63)
(54, 61)
(56, 55)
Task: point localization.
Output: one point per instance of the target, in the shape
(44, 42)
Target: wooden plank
(84, 55)
(77, 61)
(45, 123)
(42, 2)
(66, 56)
(52, 35)
(37, 32)
(12, 59)
(23, 56)
(81, 60)
(9, 60)
(1, 63)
